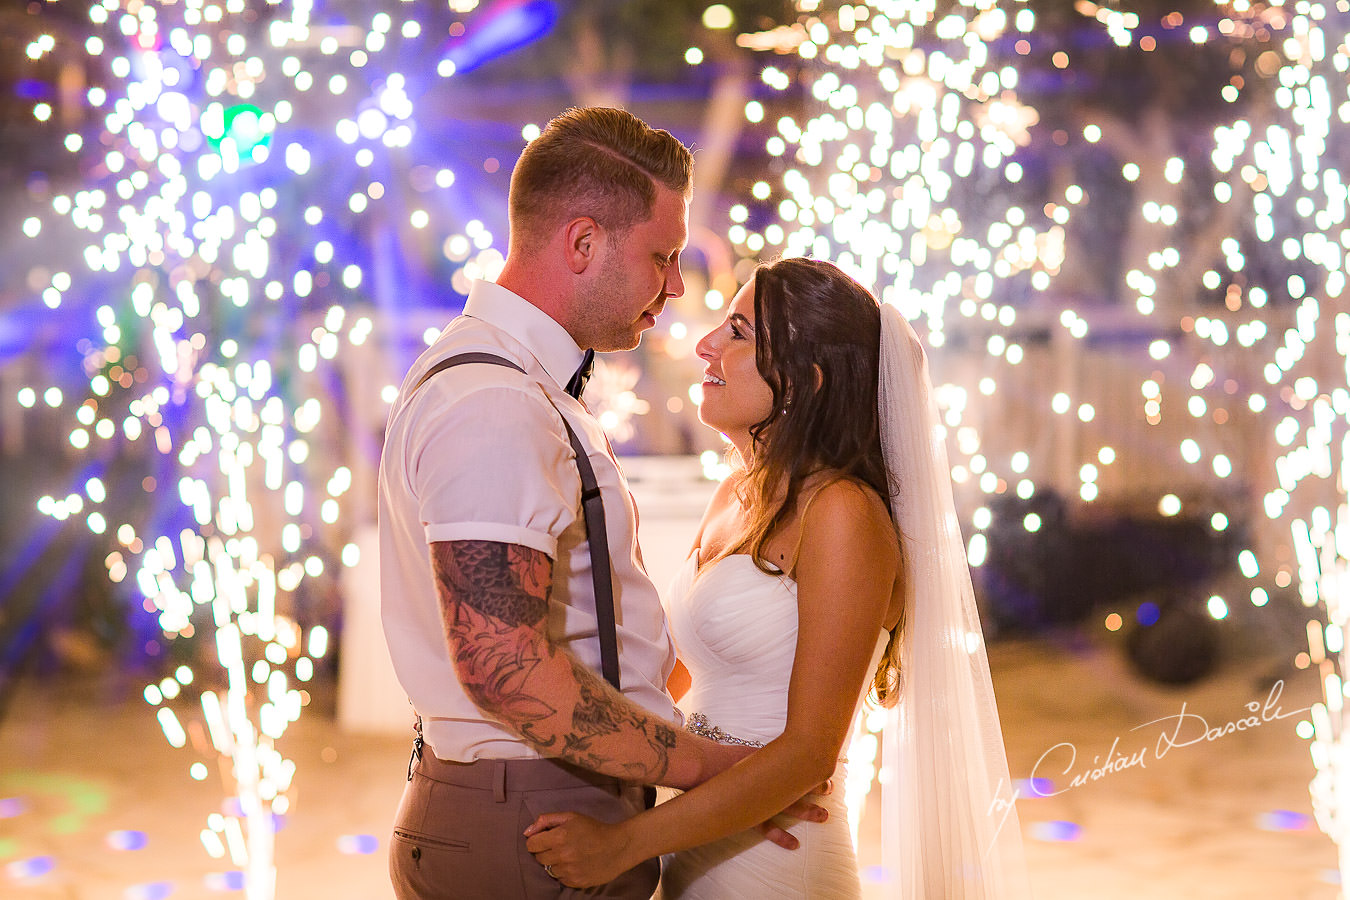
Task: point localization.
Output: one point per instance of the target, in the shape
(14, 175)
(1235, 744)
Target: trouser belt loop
(499, 780)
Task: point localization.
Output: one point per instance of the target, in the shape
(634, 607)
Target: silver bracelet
(698, 723)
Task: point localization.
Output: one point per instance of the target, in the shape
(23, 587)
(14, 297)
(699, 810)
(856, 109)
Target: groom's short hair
(594, 161)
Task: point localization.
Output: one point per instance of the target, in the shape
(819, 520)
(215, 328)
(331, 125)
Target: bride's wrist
(639, 841)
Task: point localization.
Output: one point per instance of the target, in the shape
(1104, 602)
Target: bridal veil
(950, 824)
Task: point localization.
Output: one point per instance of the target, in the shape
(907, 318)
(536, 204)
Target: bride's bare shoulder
(841, 508)
(847, 537)
(838, 490)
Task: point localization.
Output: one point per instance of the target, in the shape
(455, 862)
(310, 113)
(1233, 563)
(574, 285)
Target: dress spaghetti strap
(791, 569)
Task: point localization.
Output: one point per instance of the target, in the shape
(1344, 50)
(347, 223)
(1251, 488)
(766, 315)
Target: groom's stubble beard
(612, 308)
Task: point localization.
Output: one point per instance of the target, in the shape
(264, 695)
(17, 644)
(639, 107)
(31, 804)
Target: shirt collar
(541, 334)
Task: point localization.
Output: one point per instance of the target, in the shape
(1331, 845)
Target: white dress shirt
(479, 453)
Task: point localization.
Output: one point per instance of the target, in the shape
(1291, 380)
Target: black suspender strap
(593, 510)
(598, 538)
(491, 359)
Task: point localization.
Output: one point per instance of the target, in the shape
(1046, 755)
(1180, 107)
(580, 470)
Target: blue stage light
(500, 29)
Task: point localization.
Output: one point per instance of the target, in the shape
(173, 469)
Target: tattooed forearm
(594, 715)
(601, 713)
(494, 609)
(495, 669)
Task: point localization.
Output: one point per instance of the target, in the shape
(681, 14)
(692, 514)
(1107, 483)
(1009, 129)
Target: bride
(827, 567)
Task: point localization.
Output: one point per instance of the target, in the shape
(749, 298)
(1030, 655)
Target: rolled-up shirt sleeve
(492, 464)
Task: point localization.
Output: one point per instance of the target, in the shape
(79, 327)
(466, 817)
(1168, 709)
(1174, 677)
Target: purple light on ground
(127, 840)
(156, 890)
(33, 867)
(358, 844)
(877, 875)
(1033, 787)
(1283, 820)
(1056, 831)
(11, 807)
(225, 881)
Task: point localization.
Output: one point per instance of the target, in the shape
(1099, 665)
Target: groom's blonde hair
(594, 161)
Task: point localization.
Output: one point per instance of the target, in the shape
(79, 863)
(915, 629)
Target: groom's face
(639, 271)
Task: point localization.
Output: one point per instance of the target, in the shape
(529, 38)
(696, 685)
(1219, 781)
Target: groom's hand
(804, 810)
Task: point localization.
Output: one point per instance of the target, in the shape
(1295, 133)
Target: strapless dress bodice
(735, 628)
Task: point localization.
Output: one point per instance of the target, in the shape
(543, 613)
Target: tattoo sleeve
(494, 608)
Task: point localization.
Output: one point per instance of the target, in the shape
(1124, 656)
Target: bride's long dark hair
(817, 345)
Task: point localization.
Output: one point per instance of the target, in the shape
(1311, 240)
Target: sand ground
(95, 804)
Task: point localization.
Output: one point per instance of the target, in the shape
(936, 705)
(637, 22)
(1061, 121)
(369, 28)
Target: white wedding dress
(735, 628)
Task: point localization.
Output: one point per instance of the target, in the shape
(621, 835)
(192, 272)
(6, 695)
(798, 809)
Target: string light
(209, 228)
(913, 104)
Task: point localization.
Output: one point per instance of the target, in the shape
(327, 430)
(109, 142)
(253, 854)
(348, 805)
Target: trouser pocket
(423, 867)
(424, 840)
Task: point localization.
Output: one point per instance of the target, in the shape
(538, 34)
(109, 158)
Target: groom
(488, 602)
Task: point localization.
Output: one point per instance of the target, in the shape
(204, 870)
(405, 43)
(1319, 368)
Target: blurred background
(230, 225)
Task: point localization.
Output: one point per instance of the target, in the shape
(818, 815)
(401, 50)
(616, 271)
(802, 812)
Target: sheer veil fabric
(950, 825)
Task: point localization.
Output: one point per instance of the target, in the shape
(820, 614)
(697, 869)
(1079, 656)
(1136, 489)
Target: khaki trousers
(458, 831)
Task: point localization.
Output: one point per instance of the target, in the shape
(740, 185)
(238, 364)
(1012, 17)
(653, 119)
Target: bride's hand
(580, 852)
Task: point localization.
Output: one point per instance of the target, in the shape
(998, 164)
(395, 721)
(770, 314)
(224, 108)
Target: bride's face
(735, 395)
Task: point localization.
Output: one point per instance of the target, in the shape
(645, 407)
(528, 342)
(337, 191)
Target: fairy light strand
(207, 233)
(911, 109)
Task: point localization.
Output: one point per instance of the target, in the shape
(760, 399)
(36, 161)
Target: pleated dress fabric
(735, 628)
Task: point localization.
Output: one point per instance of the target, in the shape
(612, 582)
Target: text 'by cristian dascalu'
(1185, 729)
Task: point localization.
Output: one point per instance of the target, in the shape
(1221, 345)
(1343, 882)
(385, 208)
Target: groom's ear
(582, 239)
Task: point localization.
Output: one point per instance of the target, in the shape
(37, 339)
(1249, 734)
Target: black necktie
(583, 373)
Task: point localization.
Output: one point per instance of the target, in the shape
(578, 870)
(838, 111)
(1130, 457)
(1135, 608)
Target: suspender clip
(417, 747)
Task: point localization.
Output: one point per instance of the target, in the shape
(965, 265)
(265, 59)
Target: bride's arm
(845, 575)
